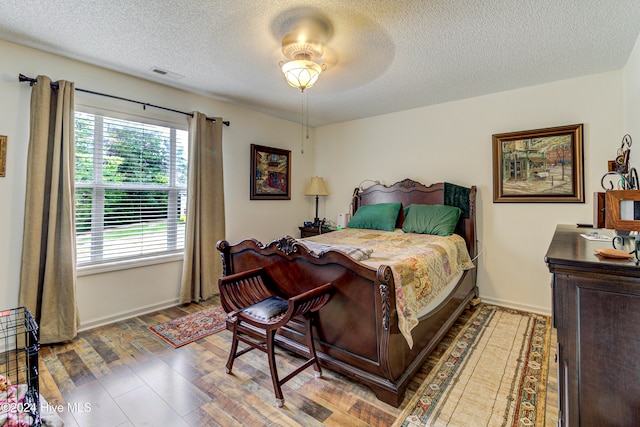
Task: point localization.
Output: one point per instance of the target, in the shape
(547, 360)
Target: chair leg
(234, 346)
(309, 318)
(270, 334)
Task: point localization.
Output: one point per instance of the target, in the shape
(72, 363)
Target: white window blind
(131, 189)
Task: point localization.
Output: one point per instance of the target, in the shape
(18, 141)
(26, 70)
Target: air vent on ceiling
(167, 73)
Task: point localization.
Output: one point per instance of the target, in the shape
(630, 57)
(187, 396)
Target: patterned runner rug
(494, 373)
(192, 327)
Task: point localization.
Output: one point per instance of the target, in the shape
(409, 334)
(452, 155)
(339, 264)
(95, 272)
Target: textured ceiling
(382, 56)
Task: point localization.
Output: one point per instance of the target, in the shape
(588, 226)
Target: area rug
(494, 373)
(192, 327)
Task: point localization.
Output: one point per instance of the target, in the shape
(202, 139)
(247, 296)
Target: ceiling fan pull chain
(307, 116)
(302, 122)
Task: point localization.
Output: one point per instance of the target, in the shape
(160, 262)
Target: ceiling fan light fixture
(303, 49)
(296, 44)
(301, 73)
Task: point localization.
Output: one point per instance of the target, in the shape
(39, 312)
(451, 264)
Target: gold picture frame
(541, 165)
(3, 155)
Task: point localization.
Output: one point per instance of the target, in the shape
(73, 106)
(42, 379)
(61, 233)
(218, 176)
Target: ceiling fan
(304, 48)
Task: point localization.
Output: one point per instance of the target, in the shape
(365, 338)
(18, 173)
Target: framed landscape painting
(270, 173)
(541, 165)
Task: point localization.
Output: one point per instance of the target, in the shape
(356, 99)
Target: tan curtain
(48, 271)
(202, 266)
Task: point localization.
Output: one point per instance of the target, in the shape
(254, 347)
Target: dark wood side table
(596, 311)
(313, 231)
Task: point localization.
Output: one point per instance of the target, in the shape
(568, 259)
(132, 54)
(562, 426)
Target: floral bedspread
(421, 264)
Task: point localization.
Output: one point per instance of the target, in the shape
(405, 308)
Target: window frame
(172, 255)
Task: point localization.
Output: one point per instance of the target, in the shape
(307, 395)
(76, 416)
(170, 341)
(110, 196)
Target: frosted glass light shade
(301, 73)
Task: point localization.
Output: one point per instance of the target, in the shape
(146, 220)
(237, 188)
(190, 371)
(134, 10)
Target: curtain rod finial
(23, 78)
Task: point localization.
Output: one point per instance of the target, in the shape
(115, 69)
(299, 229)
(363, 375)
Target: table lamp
(316, 188)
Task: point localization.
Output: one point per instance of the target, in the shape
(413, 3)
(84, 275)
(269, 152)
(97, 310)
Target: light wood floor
(122, 375)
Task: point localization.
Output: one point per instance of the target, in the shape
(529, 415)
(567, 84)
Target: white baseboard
(84, 326)
(517, 306)
(172, 303)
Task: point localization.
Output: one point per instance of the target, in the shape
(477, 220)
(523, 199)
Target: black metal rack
(19, 346)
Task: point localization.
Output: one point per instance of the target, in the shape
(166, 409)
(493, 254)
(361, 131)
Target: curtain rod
(32, 81)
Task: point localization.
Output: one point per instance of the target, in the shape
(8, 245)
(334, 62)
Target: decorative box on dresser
(596, 311)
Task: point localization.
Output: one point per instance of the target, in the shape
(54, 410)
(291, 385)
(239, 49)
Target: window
(131, 189)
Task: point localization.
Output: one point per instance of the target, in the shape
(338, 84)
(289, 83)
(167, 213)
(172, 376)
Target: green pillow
(440, 220)
(382, 216)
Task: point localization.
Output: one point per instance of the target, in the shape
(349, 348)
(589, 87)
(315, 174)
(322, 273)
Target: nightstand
(312, 231)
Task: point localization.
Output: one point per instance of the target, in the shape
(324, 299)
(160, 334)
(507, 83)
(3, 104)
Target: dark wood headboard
(410, 192)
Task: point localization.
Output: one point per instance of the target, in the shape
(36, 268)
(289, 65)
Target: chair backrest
(243, 289)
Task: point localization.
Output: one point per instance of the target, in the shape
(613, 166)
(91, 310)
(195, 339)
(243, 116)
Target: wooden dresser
(596, 310)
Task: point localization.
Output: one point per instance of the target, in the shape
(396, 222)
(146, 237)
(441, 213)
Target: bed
(360, 332)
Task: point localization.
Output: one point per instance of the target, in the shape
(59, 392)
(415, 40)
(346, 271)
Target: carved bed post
(471, 224)
(386, 286)
(384, 276)
(223, 246)
(355, 201)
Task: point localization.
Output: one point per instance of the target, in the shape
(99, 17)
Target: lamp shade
(316, 187)
(301, 73)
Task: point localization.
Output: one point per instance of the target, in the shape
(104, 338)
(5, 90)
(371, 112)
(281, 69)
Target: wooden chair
(255, 312)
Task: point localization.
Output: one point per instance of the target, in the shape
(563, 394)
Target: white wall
(632, 102)
(452, 142)
(103, 297)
